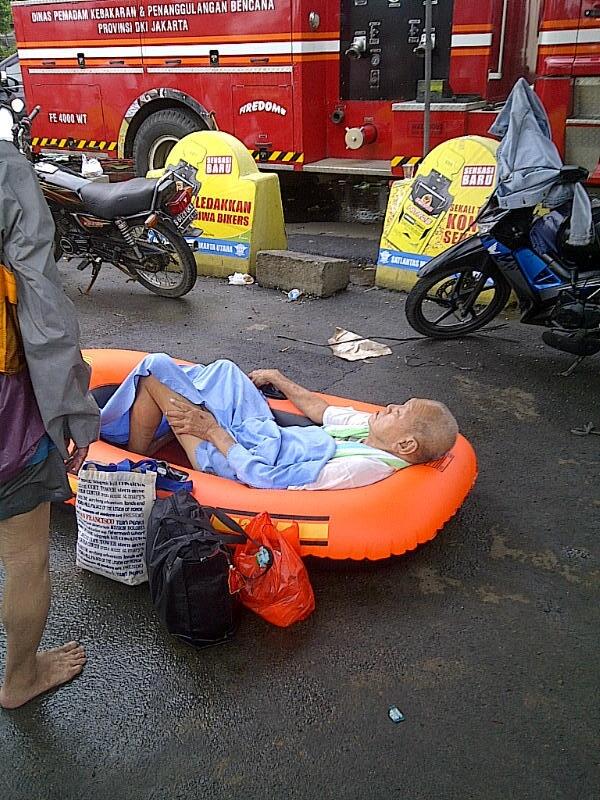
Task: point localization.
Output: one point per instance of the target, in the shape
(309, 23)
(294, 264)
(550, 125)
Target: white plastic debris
(240, 279)
(352, 347)
(395, 714)
(294, 294)
(91, 167)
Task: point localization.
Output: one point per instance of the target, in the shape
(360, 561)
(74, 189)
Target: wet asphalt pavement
(485, 638)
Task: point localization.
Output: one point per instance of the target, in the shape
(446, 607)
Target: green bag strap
(349, 443)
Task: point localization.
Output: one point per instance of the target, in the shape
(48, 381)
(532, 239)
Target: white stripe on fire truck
(174, 50)
(557, 37)
(204, 70)
(588, 35)
(324, 46)
(88, 70)
(243, 48)
(582, 36)
(471, 39)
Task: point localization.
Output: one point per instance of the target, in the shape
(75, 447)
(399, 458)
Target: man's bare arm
(305, 401)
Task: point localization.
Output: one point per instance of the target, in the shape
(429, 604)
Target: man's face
(394, 423)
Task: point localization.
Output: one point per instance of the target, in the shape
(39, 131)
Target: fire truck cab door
(381, 54)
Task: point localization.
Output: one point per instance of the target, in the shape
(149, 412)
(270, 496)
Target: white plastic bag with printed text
(112, 513)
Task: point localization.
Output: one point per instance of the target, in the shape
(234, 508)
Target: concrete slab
(320, 276)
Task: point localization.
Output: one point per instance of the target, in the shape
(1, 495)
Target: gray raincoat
(47, 318)
(529, 163)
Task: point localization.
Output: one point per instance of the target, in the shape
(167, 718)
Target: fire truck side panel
(587, 52)
(480, 122)
(311, 109)
(518, 58)
(234, 61)
(473, 25)
(321, 116)
(76, 115)
(316, 23)
(569, 48)
(227, 38)
(556, 94)
(80, 35)
(408, 129)
(491, 46)
(69, 58)
(264, 116)
(559, 29)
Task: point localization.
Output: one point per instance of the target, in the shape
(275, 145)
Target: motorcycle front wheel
(172, 273)
(454, 301)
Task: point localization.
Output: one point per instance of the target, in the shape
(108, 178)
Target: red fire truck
(328, 87)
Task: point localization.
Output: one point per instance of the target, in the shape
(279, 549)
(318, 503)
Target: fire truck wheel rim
(159, 151)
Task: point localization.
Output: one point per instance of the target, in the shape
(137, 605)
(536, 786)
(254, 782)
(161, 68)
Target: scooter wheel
(454, 301)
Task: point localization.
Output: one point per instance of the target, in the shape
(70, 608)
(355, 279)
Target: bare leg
(24, 552)
(151, 403)
(145, 416)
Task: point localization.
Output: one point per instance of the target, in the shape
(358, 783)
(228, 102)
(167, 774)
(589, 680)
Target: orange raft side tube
(377, 521)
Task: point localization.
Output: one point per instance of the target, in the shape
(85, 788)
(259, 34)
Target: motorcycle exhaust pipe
(576, 344)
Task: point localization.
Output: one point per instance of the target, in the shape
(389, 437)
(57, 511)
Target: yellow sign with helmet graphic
(239, 208)
(437, 208)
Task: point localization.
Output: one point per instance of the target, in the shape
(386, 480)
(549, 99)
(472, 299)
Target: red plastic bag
(280, 591)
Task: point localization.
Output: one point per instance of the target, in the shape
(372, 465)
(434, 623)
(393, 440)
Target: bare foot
(54, 667)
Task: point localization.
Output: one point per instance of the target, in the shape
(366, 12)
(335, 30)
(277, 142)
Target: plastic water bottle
(395, 714)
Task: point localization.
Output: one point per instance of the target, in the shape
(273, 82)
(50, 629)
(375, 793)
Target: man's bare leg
(151, 403)
(145, 416)
(24, 553)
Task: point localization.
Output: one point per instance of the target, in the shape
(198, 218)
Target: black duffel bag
(189, 570)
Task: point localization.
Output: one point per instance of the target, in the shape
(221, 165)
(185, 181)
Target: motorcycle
(137, 225)
(557, 285)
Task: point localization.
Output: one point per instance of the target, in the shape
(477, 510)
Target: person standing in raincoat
(44, 404)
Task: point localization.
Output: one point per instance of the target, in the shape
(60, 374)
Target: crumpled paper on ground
(344, 344)
(240, 279)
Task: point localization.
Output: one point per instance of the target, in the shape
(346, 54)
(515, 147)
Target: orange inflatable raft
(377, 521)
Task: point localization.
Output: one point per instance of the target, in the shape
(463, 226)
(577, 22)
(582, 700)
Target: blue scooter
(557, 285)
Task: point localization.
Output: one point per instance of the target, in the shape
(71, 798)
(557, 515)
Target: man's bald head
(418, 431)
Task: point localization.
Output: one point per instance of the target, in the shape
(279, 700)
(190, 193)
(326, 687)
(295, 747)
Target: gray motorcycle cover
(529, 163)
(47, 318)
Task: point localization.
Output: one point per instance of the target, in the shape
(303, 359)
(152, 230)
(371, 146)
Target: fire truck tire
(158, 135)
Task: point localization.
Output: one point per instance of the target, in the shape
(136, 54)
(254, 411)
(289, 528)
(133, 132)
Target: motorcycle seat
(112, 200)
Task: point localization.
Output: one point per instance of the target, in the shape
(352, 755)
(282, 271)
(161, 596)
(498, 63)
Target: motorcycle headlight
(17, 105)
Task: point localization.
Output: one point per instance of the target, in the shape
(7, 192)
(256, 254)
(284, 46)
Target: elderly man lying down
(226, 427)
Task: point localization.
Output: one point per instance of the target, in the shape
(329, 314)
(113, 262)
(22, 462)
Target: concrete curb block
(320, 276)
